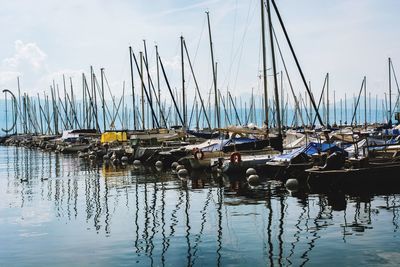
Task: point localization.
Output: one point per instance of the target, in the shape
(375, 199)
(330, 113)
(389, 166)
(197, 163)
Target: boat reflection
(204, 220)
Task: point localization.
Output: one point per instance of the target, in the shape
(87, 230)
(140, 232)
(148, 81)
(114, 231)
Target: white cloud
(28, 53)
(30, 63)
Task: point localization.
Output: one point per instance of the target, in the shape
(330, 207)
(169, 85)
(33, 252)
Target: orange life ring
(199, 154)
(194, 150)
(236, 157)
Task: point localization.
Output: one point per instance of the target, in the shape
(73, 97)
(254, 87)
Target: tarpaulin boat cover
(310, 149)
(313, 148)
(218, 146)
(108, 137)
(204, 135)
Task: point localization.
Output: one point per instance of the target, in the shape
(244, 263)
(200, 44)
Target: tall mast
(264, 70)
(65, 101)
(390, 91)
(376, 109)
(148, 85)
(21, 118)
(158, 85)
(310, 103)
(365, 103)
(334, 106)
(369, 109)
(72, 101)
(183, 87)
(141, 77)
(102, 99)
(296, 60)
(217, 115)
(94, 99)
(327, 99)
(345, 108)
(40, 114)
(196, 85)
(133, 90)
(341, 111)
(282, 101)
(55, 114)
(278, 112)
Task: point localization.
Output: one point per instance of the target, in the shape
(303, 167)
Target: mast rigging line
(288, 77)
(145, 90)
(234, 107)
(170, 91)
(154, 91)
(196, 84)
(91, 101)
(112, 99)
(358, 100)
(297, 62)
(320, 100)
(397, 85)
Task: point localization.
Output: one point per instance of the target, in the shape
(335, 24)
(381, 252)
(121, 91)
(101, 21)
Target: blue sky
(43, 39)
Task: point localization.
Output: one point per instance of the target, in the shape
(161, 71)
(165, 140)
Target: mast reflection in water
(58, 210)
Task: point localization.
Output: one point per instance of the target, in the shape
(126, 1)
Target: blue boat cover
(224, 142)
(311, 149)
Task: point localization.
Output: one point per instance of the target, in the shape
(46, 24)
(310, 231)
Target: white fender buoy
(159, 164)
(183, 173)
(174, 165)
(250, 171)
(292, 184)
(253, 179)
(179, 167)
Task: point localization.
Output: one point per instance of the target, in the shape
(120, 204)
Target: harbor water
(58, 210)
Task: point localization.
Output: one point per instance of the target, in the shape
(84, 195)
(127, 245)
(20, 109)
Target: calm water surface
(57, 210)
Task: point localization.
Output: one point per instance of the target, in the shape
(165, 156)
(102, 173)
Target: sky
(42, 40)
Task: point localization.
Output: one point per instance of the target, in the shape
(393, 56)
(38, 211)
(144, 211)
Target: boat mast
(334, 107)
(148, 86)
(278, 112)
(297, 62)
(376, 109)
(158, 88)
(196, 84)
(102, 99)
(282, 101)
(345, 109)
(65, 101)
(369, 108)
(94, 99)
(133, 90)
(264, 70)
(341, 111)
(217, 115)
(142, 87)
(357, 100)
(327, 99)
(365, 103)
(390, 92)
(310, 105)
(183, 87)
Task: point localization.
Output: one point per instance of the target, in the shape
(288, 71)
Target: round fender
(198, 154)
(236, 157)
